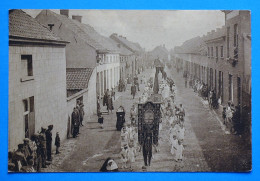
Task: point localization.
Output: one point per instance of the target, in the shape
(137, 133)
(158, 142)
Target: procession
(85, 101)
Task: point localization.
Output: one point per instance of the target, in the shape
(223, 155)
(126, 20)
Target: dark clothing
(100, 120)
(105, 99)
(133, 90)
(120, 120)
(75, 123)
(57, 143)
(43, 149)
(147, 150)
(110, 104)
(48, 134)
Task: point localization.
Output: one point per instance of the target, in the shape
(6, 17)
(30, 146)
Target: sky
(150, 28)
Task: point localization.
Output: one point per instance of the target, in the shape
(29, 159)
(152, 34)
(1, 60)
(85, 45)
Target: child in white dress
(124, 137)
(124, 156)
(181, 132)
(174, 143)
(131, 155)
(178, 155)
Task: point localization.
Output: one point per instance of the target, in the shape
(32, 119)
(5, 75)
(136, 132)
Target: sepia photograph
(129, 91)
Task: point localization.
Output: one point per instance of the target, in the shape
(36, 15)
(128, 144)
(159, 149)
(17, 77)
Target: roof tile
(24, 26)
(78, 78)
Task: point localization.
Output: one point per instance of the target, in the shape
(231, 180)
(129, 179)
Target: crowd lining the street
(230, 113)
(35, 152)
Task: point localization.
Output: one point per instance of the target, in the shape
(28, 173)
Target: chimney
(76, 17)
(64, 12)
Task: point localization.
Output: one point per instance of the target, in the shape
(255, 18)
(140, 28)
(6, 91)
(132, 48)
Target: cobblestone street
(206, 140)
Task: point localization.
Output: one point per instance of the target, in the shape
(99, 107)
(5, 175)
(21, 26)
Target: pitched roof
(192, 46)
(21, 25)
(122, 50)
(78, 78)
(102, 40)
(131, 45)
(77, 28)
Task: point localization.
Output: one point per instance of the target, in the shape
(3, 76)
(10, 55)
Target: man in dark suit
(75, 122)
(48, 134)
(133, 90)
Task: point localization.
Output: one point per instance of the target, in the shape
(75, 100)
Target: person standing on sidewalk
(75, 122)
(110, 106)
(105, 97)
(42, 137)
(57, 143)
(113, 93)
(100, 120)
(133, 90)
(48, 134)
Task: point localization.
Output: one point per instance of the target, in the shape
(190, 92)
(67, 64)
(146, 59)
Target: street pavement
(207, 146)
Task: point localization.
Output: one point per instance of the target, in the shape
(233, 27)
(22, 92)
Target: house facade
(222, 59)
(37, 79)
(88, 49)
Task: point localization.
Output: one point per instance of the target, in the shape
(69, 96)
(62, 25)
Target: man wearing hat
(19, 158)
(48, 134)
(42, 138)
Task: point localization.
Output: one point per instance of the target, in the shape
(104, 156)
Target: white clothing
(181, 133)
(131, 154)
(178, 154)
(174, 146)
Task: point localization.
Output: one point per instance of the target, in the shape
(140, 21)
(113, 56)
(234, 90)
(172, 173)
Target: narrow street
(205, 140)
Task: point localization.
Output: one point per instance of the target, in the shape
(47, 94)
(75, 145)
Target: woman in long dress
(120, 114)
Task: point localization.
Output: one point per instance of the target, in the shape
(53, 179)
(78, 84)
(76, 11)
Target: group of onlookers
(231, 117)
(34, 153)
(77, 117)
(230, 113)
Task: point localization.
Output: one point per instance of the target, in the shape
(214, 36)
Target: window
(221, 52)
(230, 87)
(208, 52)
(228, 32)
(211, 51)
(29, 121)
(216, 52)
(235, 35)
(27, 65)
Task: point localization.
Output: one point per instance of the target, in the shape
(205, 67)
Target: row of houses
(222, 60)
(54, 61)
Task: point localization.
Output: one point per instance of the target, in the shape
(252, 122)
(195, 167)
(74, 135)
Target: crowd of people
(129, 145)
(230, 113)
(77, 117)
(173, 117)
(34, 153)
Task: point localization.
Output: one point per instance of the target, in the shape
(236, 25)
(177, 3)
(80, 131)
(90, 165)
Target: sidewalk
(221, 151)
